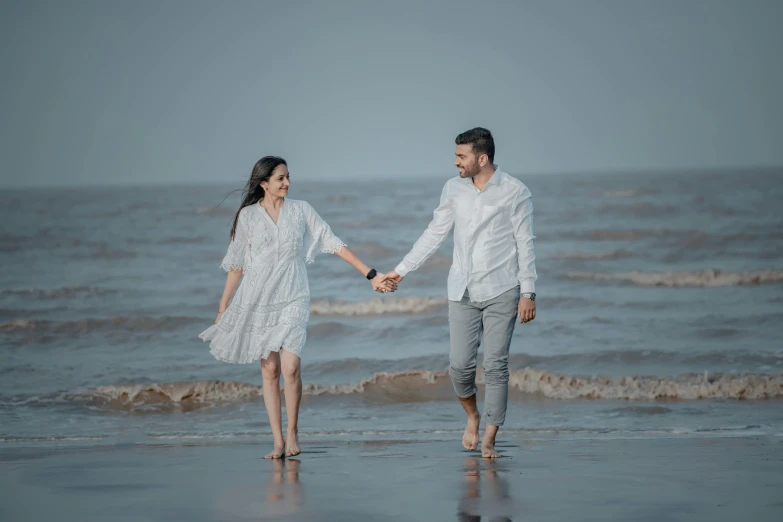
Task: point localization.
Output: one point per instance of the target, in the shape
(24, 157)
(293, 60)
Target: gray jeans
(494, 321)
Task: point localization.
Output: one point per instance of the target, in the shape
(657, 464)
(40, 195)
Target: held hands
(526, 311)
(394, 276)
(383, 284)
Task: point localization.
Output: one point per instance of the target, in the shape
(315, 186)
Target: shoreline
(677, 478)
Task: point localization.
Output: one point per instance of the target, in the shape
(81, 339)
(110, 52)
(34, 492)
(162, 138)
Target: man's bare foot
(470, 438)
(293, 444)
(488, 448)
(276, 453)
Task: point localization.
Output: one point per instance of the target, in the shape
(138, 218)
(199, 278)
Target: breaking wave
(703, 278)
(612, 254)
(621, 193)
(162, 323)
(619, 235)
(686, 387)
(378, 306)
(68, 291)
(183, 240)
(214, 211)
(105, 252)
(423, 386)
(638, 210)
(175, 392)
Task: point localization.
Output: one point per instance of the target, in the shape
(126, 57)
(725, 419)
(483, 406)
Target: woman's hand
(219, 315)
(380, 283)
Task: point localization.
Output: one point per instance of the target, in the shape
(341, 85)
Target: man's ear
(483, 160)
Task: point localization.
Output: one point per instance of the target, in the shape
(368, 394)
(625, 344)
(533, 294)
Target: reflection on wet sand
(284, 494)
(485, 492)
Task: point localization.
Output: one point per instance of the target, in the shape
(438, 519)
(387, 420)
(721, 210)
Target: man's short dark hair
(480, 141)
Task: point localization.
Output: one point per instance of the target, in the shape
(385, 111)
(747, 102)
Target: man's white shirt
(493, 237)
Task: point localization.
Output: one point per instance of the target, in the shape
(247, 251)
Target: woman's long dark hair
(253, 193)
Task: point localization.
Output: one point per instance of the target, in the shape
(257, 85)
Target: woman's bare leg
(270, 372)
(292, 376)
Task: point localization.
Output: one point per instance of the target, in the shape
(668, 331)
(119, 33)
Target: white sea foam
(423, 386)
(378, 306)
(703, 278)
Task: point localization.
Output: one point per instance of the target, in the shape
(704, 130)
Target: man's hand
(381, 283)
(526, 311)
(394, 276)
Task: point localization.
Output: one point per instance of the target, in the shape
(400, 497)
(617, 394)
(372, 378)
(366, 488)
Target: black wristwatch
(530, 295)
(371, 274)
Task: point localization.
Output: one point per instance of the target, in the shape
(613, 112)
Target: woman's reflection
(284, 493)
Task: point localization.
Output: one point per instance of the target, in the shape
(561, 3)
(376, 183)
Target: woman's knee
(270, 367)
(290, 366)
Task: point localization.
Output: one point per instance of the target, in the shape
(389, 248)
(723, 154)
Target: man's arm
(522, 223)
(432, 238)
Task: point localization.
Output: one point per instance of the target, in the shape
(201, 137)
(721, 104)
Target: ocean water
(660, 314)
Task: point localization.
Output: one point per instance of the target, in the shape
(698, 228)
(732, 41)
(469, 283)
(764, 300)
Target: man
(492, 278)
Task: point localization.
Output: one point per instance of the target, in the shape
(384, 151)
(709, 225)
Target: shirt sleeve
(432, 238)
(522, 223)
(319, 238)
(237, 257)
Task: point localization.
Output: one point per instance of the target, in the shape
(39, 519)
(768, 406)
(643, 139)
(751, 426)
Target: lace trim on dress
(329, 246)
(229, 267)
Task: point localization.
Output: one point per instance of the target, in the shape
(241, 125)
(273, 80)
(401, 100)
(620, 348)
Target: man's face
(466, 161)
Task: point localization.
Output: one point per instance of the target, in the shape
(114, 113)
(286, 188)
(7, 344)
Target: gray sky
(107, 92)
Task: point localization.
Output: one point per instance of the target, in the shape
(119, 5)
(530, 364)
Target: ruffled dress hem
(252, 347)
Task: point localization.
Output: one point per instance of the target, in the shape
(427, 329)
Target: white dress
(271, 307)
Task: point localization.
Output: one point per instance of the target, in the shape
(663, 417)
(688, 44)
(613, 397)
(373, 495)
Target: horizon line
(596, 172)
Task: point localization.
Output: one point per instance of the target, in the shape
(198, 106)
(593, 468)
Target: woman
(271, 240)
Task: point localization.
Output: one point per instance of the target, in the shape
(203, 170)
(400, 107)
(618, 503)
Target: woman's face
(278, 183)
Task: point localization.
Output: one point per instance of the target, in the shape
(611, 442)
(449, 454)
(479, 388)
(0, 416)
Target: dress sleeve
(239, 249)
(319, 237)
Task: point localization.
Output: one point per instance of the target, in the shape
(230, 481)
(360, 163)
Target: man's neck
(480, 180)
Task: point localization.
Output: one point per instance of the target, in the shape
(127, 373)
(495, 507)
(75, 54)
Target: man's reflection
(485, 493)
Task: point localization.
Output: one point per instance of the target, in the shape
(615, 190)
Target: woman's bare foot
(488, 447)
(470, 438)
(276, 453)
(293, 444)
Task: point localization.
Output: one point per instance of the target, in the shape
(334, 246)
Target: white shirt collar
(496, 179)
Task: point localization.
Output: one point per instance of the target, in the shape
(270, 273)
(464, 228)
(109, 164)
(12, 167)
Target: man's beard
(471, 172)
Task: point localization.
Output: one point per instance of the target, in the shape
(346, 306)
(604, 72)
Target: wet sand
(668, 479)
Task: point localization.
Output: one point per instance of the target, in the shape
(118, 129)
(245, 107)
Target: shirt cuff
(526, 285)
(402, 269)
